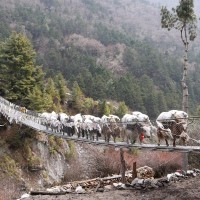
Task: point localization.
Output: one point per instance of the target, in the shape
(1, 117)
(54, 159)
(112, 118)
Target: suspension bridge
(16, 114)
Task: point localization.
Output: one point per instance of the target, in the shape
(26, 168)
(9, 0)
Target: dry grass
(104, 165)
(75, 172)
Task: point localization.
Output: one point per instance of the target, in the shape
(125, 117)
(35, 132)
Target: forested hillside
(114, 50)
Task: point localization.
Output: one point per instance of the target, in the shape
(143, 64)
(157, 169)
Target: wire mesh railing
(16, 114)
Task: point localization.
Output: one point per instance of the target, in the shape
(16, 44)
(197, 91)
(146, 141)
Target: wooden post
(123, 167)
(185, 161)
(134, 172)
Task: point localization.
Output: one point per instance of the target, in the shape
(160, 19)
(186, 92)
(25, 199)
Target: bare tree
(183, 19)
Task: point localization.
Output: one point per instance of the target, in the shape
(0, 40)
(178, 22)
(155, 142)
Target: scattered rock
(172, 177)
(189, 172)
(197, 171)
(178, 174)
(108, 187)
(80, 190)
(24, 196)
(119, 185)
(140, 181)
(134, 181)
(100, 190)
(159, 184)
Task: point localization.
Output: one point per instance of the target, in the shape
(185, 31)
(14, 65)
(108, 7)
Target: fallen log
(95, 181)
(47, 193)
(90, 183)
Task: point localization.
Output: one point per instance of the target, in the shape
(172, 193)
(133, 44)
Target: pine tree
(40, 101)
(88, 105)
(77, 96)
(18, 73)
(62, 88)
(105, 110)
(122, 109)
(53, 92)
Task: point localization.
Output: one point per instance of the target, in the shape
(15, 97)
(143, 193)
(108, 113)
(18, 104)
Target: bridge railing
(14, 113)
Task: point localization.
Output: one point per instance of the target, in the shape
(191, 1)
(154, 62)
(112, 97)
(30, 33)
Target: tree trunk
(185, 70)
(123, 167)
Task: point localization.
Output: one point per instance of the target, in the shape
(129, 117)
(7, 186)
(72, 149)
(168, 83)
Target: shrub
(163, 170)
(8, 165)
(104, 165)
(18, 135)
(193, 160)
(135, 151)
(53, 146)
(72, 153)
(33, 161)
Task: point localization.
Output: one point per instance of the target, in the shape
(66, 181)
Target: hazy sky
(172, 3)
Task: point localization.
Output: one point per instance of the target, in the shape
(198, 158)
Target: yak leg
(174, 141)
(122, 135)
(140, 141)
(166, 142)
(127, 140)
(86, 133)
(97, 135)
(78, 133)
(133, 139)
(91, 135)
(105, 137)
(83, 133)
(108, 138)
(158, 141)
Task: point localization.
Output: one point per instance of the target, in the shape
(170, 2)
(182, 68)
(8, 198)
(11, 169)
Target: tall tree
(54, 93)
(122, 109)
(105, 110)
(183, 19)
(40, 101)
(77, 96)
(18, 72)
(62, 88)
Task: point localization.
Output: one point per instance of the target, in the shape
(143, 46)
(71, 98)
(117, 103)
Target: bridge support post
(123, 166)
(185, 161)
(134, 172)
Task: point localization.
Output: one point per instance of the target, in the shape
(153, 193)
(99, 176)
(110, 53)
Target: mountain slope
(109, 47)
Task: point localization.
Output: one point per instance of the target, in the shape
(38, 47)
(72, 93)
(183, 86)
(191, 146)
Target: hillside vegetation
(114, 50)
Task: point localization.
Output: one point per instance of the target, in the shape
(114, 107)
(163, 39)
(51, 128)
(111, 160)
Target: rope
(2, 124)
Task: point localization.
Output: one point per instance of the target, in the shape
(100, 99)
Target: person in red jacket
(141, 137)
